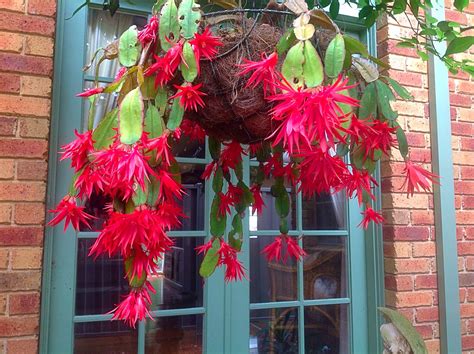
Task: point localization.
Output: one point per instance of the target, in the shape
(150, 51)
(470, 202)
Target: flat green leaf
(209, 263)
(404, 326)
(292, 68)
(169, 25)
(236, 235)
(319, 18)
(368, 102)
(312, 67)
(459, 45)
(334, 58)
(176, 115)
(402, 141)
(131, 117)
(357, 157)
(154, 124)
(218, 180)
(282, 205)
(189, 66)
(161, 100)
(334, 9)
(399, 89)
(461, 4)
(128, 47)
(286, 41)
(283, 227)
(353, 46)
(399, 6)
(214, 148)
(217, 222)
(104, 133)
(189, 16)
(153, 190)
(384, 97)
(140, 196)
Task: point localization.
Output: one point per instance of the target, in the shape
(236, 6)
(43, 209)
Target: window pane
(325, 212)
(177, 334)
(270, 281)
(100, 283)
(179, 285)
(325, 274)
(108, 337)
(268, 219)
(188, 148)
(274, 331)
(103, 29)
(326, 329)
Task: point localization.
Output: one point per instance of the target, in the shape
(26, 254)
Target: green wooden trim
(139, 7)
(322, 233)
(444, 207)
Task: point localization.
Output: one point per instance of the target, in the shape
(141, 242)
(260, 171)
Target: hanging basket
(233, 111)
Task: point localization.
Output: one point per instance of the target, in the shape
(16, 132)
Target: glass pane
(100, 283)
(179, 285)
(104, 103)
(103, 29)
(268, 219)
(274, 331)
(325, 212)
(326, 329)
(188, 148)
(193, 201)
(325, 274)
(96, 206)
(270, 281)
(108, 337)
(177, 334)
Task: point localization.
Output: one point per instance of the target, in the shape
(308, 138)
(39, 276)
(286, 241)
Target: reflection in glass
(100, 283)
(193, 201)
(179, 284)
(325, 267)
(188, 148)
(268, 219)
(103, 29)
(270, 281)
(174, 335)
(108, 337)
(326, 329)
(324, 212)
(274, 331)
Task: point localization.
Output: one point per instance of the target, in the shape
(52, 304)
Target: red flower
(190, 96)
(205, 44)
(169, 188)
(170, 213)
(225, 202)
(78, 150)
(417, 178)
(89, 180)
(231, 155)
(209, 170)
(234, 193)
(161, 147)
(203, 249)
(90, 92)
(134, 307)
(148, 33)
(359, 182)
(258, 202)
(120, 74)
(234, 270)
(264, 72)
(383, 139)
(193, 131)
(165, 67)
(370, 215)
(273, 251)
(69, 211)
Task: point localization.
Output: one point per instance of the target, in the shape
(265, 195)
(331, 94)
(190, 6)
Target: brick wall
(409, 235)
(26, 67)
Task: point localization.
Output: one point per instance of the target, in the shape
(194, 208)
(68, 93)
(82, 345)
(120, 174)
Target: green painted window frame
(58, 286)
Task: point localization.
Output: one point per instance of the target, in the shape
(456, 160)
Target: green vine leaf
(459, 45)
(209, 263)
(402, 141)
(169, 26)
(292, 68)
(176, 115)
(368, 102)
(335, 54)
(399, 89)
(313, 71)
(154, 124)
(189, 16)
(461, 4)
(384, 97)
(128, 47)
(131, 112)
(286, 41)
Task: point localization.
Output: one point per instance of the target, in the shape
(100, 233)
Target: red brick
(22, 304)
(23, 148)
(399, 282)
(466, 248)
(429, 281)
(29, 280)
(406, 78)
(457, 99)
(26, 24)
(8, 126)
(13, 5)
(390, 47)
(22, 346)
(427, 314)
(466, 279)
(422, 217)
(406, 233)
(7, 169)
(19, 326)
(456, 16)
(426, 331)
(470, 263)
(25, 106)
(467, 144)
(32, 170)
(470, 295)
(21, 236)
(467, 342)
(462, 128)
(42, 7)
(424, 249)
(26, 64)
(9, 83)
(416, 139)
(464, 187)
(29, 213)
(22, 191)
(467, 310)
(414, 299)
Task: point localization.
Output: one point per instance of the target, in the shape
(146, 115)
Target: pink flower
(90, 92)
(417, 178)
(190, 96)
(78, 150)
(205, 44)
(69, 211)
(148, 33)
(134, 307)
(370, 215)
(264, 72)
(258, 203)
